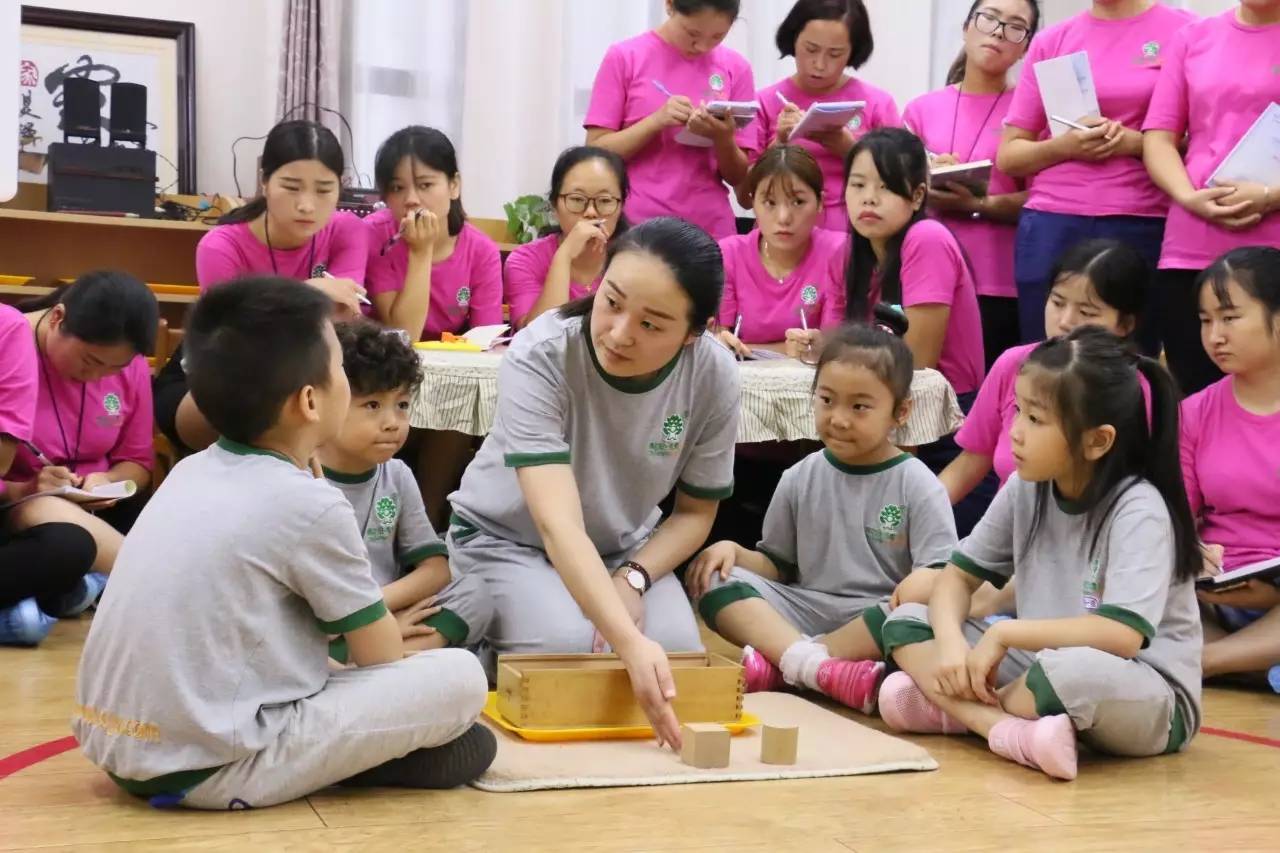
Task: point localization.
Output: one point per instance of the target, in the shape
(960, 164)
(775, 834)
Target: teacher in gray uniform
(603, 408)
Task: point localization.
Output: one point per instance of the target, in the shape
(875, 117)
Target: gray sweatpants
(1119, 706)
(533, 612)
(808, 611)
(468, 599)
(362, 718)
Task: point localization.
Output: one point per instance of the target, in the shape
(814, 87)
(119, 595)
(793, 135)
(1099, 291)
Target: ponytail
(955, 74)
(246, 212)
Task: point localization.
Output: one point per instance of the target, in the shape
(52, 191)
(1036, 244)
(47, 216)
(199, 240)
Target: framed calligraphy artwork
(56, 45)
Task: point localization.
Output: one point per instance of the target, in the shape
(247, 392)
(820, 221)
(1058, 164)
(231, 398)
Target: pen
(804, 324)
(364, 300)
(737, 327)
(783, 98)
(395, 238)
(657, 84)
(1072, 124)
(38, 454)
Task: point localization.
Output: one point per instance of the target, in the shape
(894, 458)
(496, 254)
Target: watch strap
(632, 565)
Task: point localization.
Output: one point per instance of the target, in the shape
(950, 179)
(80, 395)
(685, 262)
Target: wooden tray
(746, 721)
(593, 691)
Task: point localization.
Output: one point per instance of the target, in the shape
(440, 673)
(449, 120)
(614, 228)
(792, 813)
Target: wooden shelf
(103, 221)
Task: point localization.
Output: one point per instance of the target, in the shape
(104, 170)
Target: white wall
(237, 63)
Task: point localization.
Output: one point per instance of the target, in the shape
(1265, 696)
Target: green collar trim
(865, 469)
(627, 385)
(247, 450)
(1069, 507)
(350, 479)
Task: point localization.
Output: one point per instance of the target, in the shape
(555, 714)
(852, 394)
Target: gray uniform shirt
(857, 531)
(629, 442)
(390, 513)
(1129, 578)
(217, 614)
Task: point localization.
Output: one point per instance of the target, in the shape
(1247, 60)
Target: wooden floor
(1220, 795)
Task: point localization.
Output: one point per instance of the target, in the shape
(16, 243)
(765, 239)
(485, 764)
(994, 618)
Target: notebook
(106, 492)
(976, 176)
(1067, 90)
(743, 112)
(1264, 570)
(829, 115)
(1256, 156)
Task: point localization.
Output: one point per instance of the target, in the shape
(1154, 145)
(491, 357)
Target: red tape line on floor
(34, 755)
(1247, 738)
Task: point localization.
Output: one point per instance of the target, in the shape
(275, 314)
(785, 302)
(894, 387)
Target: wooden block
(581, 691)
(706, 745)
(778, 744)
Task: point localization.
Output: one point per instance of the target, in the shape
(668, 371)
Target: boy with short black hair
(434, 608)
(205, 679)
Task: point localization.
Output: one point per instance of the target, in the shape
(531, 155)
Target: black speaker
(103, 180)
(81, 109)
(129, 113)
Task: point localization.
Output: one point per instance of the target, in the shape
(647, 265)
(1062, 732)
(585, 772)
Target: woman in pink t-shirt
(293, 230)
(1087, 184)
(1231, 458)
(1097, 283)
(826, 37)
(1219, 76)
(93, 423)
(787, 275)
(430, 271)
(962, 123)
(589, 187)
(647, 105)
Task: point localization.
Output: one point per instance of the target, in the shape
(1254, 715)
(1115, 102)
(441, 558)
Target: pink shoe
(905, 708)
(761, 674)
(1047, 744)
(854, 683)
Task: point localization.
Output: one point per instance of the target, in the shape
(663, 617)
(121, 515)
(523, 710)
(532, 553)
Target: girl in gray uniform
(603, 408)
(1096, 527)
(408, 559)
(845, 527)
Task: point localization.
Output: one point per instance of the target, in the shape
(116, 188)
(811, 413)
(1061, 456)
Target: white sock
(800, 662)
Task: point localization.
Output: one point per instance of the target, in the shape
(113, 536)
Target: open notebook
(976, 176)
(107, 492)
(743, 112)
(1263, 570)
(829, 115)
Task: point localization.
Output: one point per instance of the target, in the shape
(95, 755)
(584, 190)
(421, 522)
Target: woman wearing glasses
(1088, 183)
(588, 189)
(962, 123)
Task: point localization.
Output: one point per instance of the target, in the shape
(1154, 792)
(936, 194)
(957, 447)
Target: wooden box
(563, 691)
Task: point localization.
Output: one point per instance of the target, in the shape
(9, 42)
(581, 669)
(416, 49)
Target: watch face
(635, 580)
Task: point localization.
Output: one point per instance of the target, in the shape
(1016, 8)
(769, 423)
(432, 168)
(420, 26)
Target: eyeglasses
(606, 205)
(990, 25)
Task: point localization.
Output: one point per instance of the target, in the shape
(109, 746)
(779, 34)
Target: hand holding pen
(733, 342)
(676, 111)
(787, 119)
(419, 230)
(51, 476)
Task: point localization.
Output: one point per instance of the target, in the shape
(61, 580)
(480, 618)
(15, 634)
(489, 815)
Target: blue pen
(657, 84)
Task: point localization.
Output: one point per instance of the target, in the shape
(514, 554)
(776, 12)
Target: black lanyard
(311, 257)
(955, 117)
(73, 459)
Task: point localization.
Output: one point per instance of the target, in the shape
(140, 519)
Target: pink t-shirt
(934, 272)
(881, 111)
(1231, 465)
(466, 287)
(103, 422)
(526, 271)
(231, 251)
(768, 306)
(18, 376)
(1218, 77)
(667, 178)
(970, 127)
(1125, 57)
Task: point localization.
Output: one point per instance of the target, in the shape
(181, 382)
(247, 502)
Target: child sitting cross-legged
(407, 556)
(845, 528)
(205, 678)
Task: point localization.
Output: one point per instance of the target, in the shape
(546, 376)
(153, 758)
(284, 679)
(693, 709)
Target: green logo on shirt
(716, 82)
(809, 296)
(464, 296)
(111, 404)
(1151, 49)
(386, 509)
(672, 430)
(891, 517)
(855, 122)
(1091, 587)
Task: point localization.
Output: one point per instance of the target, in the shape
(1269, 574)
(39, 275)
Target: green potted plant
(527, 216)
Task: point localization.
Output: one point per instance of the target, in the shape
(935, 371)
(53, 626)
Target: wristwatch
(636, 576)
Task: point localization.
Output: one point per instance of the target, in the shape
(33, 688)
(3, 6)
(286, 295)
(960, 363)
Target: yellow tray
(14, 279)
(456, 346)
(594, 733)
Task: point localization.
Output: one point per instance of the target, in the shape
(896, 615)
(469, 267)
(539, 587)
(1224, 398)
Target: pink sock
(1047, 744)
(905, 708)
(760, 674)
